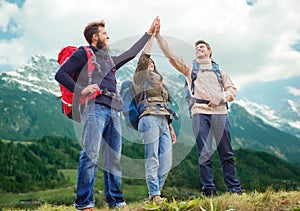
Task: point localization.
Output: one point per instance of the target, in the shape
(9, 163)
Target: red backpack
(67, 97)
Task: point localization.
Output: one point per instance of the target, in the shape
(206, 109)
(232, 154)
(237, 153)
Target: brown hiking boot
(89, 209)
(157, 199)
(125, 208)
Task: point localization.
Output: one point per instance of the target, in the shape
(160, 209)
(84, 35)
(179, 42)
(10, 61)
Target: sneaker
(121, 206)
(209, 192)
(237, 190)
(124, 208)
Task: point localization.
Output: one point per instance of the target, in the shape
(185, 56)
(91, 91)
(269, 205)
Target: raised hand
(157, 26)
(154, 25)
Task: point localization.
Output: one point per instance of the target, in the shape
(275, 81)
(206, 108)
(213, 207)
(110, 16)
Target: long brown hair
(154, 82)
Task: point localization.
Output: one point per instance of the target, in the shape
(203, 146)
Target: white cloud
(7, 12)
(294, 91)
(250, 43)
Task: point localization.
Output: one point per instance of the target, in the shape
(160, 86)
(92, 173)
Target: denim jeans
(158, 151)
(205, 127)
(101, 129)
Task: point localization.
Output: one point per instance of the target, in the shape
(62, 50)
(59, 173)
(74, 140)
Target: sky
(252, 40)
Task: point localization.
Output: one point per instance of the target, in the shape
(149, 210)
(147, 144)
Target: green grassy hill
(268, 200)
(256, 171)
(32, 165)
(43, 170)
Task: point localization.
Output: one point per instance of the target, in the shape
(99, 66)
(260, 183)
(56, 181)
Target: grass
(269, 200)
(70, 174)
(62, 199)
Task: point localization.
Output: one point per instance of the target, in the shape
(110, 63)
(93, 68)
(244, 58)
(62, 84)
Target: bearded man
(100, 117)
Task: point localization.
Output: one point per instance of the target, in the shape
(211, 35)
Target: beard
(102, 45)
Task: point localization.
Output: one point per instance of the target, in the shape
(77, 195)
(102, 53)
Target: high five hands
(155, 26)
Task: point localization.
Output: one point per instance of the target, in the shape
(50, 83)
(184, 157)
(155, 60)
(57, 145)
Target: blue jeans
(205, 127)
(101, 129)
(158, 151)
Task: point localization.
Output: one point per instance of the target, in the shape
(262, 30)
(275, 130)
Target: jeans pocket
(144, 124)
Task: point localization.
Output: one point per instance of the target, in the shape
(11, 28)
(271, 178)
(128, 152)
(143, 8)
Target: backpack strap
(114, 69)
(195, 69)
(217, 71)
(146, 85)
(91, 67)
(91, 63)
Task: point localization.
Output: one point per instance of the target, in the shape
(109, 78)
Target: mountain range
(29, 109)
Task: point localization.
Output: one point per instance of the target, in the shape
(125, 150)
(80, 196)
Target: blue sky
(253, 40)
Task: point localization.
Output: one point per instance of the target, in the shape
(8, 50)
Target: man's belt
(196, 100)
(200, 101)
(113, 95)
